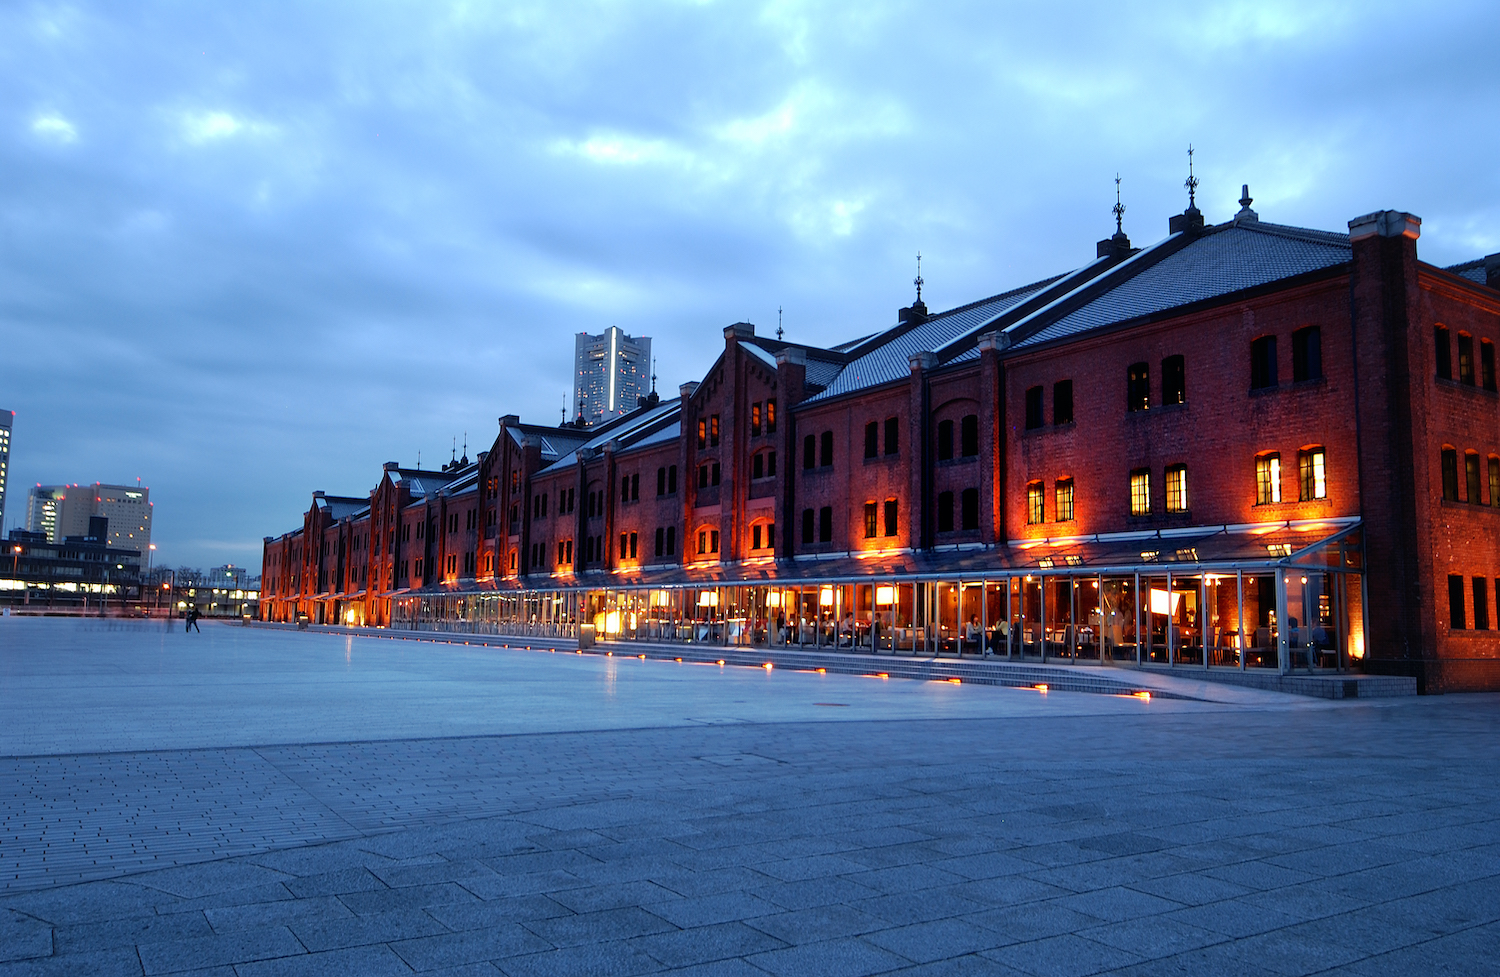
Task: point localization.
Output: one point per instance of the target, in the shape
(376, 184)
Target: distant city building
(43, 506)
(60, 511)
(611, 373)
(7, 420)
(68, 572)
(229, 576)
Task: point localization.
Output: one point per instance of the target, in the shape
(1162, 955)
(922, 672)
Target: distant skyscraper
(43, 508)
(61, 511)
(7, 419)
(611, 372)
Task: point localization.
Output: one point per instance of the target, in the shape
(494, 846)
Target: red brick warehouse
(1246, 446)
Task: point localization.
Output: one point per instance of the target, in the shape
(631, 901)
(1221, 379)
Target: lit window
(1312, 475)
(1177, 489)
(1064, 498)
(871, 520)
(1138, 387)
(1267, 479)
(1035, 511)
(1140, 492)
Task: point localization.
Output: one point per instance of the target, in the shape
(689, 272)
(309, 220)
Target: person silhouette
(192, 621)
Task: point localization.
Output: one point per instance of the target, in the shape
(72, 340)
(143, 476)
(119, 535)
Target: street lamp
(150, 552)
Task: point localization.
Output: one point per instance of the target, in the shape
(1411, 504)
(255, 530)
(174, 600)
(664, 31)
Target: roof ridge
(1311, 234)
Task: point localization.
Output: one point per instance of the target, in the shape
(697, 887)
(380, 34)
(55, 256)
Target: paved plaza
(253, 802)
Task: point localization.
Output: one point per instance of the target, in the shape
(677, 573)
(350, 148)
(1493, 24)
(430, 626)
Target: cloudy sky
(250, 250)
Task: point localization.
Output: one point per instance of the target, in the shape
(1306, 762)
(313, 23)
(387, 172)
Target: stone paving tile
(706, 910)
(1116, 904)
(24, 938)
(931, 941)
(336, 933)
(830, 958)
(471, 946)
(501, 886)
(1066, 955)
(131, 930)
(365, 961)
(610, 924)
(706, 944)
(1020, 924)
(818, 923)
(1152, 937)
(409, 897)
(235, 948)
(513, 909)
(283, 912)
(97, 963)
(612, 959)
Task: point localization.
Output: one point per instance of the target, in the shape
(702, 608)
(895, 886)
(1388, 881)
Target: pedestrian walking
(192, 621)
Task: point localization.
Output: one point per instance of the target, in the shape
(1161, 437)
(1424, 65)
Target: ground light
(1040, 687)
(1143, 694)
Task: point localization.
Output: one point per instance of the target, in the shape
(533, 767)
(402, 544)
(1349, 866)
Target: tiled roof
(1472, 270)
(890, 361)
(626, 430)
(1225, 259)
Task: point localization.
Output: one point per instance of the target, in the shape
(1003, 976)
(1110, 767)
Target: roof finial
(454, 457)
(778, 323)
(918, 280)
(1118, 208)
(1192, 182)
(1246, 214)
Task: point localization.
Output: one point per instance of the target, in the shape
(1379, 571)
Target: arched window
(1471, 477)
(1174, 380)
(1312, 474)
(1307, 354)
(1466, 358)
(968, 436)
(1035, 504)
(1268, 478)
(945, 441)
(1443, 352)
(1263, 363)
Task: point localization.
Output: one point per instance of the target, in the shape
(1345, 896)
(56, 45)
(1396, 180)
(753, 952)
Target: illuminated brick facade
(1244, 381)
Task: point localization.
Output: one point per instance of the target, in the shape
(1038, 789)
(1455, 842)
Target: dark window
(890, 517)
(771, 416)
(1444, 356)
(1174, 380)
(703, 476)
(945, 441)
(892, 436)
(1307, 354)
(770, 464)
(1487, 364)
(660, 540)
(671, 540)
(758, 466)
(825, 524)
(1062, 402)
(635, 487)
(1457, 619)
(807, 525)
(1450, 474)
(1138, 387)
(1466, 358)
(809, 452)
(702, 541)
(968, 435)
(713, 541)
(969, 508)
(825, 455)
(1494, 480)
(671, 481)
(623, 540)
(624, 488)
(634, 539)
(1263, 363)
(945, 512)
(872, 517)
(1471, 478)
(872, 439)
(755, 420)
(1033, 408)
(715, 468)
(755, 537)
(1481, 604)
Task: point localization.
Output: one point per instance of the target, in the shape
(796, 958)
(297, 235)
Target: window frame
(1036, 503)
(1138, 387)
(1173, 380)
(1312, 474)
(1263, 373)
(1175, 480)
(1063, 499)
(1062, 403)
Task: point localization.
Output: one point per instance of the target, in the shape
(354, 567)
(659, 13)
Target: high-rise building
(7, 419)
(61, 511)
(43, 507)
(611, 372)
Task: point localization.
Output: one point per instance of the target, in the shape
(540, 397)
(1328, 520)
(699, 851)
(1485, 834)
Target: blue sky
(250, 250)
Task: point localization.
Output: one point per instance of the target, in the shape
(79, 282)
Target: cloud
(198, 128)
(55, 128)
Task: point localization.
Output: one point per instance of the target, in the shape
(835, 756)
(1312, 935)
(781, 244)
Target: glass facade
(1227, 600)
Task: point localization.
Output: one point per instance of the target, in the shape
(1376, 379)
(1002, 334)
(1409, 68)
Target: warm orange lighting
(1143, 694)
(822, 671)
(825, 597)
(679, 659)
(1040, 687)
(767, 666)
(883, 675)
(642, 657)
(721, 661)
(956, 681)
(885, 596)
